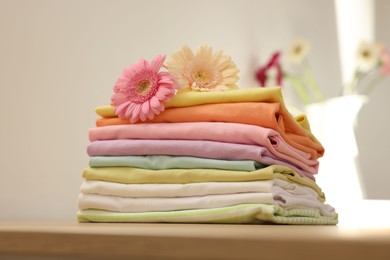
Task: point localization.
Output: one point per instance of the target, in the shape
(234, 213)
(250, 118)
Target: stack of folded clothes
(227, 156)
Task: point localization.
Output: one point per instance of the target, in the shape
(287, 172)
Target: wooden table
(71, 240)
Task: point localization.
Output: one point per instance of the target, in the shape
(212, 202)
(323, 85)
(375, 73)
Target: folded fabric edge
(239, 214)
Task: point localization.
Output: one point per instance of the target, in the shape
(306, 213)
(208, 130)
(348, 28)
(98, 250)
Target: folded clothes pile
(235, 156)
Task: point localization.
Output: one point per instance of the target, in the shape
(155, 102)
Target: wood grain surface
(71, 240)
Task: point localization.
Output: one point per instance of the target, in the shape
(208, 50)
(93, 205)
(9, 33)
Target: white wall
(60, 59)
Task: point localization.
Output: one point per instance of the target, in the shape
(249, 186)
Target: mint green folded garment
(243, 213)
(160, 162)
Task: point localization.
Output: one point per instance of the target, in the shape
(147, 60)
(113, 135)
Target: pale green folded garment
(160, 162)
(243, 213)
(130, 175)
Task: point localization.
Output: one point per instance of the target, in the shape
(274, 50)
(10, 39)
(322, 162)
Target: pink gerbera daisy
(141, 90)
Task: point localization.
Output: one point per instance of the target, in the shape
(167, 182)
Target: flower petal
(118, 98)
(154, 102)
(157, 63)
(165, 80)
(156, 110)
(150, 114)
(142, 116)
(119, 110)
(130, 110)
(136, 112)
(144, 64)
(165, 90)
(145, 108)
(160, 95)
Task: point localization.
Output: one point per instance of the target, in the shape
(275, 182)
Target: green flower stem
(351, 87)
(312, 82)
(373, 84)
(295, 81)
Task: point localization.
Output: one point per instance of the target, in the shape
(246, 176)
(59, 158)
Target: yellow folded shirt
(192, 98)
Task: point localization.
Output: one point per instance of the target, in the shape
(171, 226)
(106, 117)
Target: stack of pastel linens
(236, 156)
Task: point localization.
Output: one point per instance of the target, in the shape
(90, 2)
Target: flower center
(297, 49)
(143, 86)
(201, 77)
(366, 54)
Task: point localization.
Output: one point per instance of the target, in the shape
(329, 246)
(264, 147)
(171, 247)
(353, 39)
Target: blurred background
(60, 59)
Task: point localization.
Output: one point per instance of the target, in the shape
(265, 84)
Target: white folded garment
(166, 197)
(121, 204)
(173, 190)
(189, 189)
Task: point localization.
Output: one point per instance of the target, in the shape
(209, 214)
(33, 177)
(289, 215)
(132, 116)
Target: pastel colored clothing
(238, 214)
(244, 95)
(266, 115)
(202, 160)
(193, 98)
(190, 189)
(177, 190)
(222, 132)
(164, 197)
(159, 162)
(128, 175)
(197, 148)
(122, 204)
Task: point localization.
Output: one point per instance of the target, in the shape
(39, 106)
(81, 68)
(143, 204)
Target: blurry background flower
(297, 51)
(202, 71)
(372, 66)
(270, 73)
(141, 90)
(385, 61)
(367, 56)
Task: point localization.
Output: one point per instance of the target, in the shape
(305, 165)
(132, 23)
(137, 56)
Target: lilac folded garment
(212, 131)
(197, 148)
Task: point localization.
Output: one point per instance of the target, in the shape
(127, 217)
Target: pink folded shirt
(197, 148)
(215, 131)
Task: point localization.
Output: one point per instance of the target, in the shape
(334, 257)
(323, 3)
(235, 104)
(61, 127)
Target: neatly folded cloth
(160, 162)
(193, 98)
(190, 189)
(216, 131)
(266, 115)
(128, 175)
(167, 197)
(121, 204)
(197, 148)
(243, 213)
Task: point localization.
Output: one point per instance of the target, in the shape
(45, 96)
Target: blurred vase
(333, 123)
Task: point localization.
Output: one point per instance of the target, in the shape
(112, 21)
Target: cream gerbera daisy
(367, 55)
(202, 71)
(298, 51)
